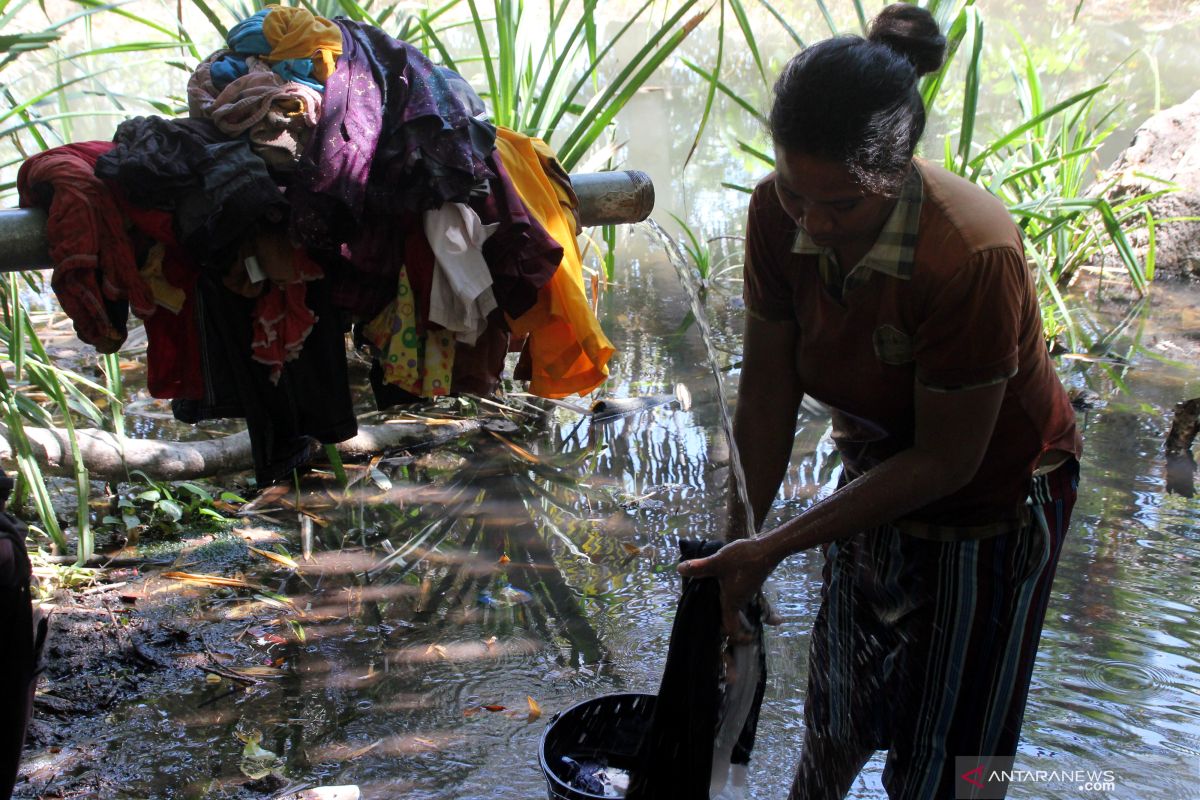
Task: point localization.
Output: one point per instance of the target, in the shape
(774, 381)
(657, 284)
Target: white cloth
(461, 296)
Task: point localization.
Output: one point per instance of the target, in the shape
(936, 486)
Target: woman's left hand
(741, 567)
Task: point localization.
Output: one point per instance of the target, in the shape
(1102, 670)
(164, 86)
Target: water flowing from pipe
(691, 284)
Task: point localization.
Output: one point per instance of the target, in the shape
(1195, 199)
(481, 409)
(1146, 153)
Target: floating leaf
(278, 558)
(298, 630)
(272, 494)
(272, 673)
(516, 449)
(276, 600)
(211, 580)
(381, 480)
(511, 595)
(257, 763)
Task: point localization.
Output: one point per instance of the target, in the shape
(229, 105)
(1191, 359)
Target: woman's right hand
(741, 567)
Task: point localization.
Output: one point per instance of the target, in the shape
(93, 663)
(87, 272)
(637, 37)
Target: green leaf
(173, 510)
(198, 491)
(783, 23)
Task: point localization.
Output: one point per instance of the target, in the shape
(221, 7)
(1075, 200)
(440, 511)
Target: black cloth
(675, 756)
(22, 642)
(310, 404)
(156, 159)
(235, 193)
(216, 189)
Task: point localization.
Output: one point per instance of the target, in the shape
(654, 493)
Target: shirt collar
(892, 253)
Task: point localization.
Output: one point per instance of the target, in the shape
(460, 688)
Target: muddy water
(547, 574)
(554, 580)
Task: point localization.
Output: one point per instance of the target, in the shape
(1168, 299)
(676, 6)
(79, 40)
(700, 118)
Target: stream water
(549, 575)
(549, 572)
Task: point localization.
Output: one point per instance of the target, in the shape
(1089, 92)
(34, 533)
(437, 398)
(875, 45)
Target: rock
(1166, 146)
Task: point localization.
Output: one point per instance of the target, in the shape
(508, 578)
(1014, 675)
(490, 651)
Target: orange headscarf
(298, 33)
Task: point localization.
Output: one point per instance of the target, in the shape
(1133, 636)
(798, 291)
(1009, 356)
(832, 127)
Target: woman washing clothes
(898, 294)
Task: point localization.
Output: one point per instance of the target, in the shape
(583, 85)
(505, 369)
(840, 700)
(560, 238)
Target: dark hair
(855, 101)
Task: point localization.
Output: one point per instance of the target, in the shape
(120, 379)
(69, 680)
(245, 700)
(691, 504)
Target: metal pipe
(605, 198)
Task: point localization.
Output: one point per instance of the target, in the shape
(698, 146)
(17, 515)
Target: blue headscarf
(247, 36)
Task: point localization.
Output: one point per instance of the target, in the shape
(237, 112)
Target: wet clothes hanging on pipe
(309, 404)
(393, 127)
(676, 756)
(276, 116)
(567, 350)
(172, 338)
(520, 253)
(95, 271)
(297, 45)
(216, 189)
(460, 297)
(432, 148)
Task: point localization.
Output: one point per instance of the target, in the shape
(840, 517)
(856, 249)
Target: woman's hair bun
(913, 33)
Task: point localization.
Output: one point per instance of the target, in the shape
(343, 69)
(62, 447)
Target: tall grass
(1043, 167)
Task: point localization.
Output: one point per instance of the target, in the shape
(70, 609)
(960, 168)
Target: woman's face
(826, 201)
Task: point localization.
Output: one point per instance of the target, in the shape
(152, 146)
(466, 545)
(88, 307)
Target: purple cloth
(520, 254)
(433, 149)
(395, 134)
(330, 184)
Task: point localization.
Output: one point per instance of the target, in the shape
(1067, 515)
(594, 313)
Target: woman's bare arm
(764, 421)
(952, 433)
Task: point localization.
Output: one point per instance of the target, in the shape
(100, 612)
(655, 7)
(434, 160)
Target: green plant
(539, 86)
(158, 508)
(709, 267)
(1043, 166)
(1044, 169)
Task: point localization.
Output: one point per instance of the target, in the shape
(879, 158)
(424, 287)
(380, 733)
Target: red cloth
(418, 263)
(172, 340)
(282, 318)
(92, 254)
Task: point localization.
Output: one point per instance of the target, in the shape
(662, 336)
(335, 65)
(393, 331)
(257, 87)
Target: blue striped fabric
(926, 648)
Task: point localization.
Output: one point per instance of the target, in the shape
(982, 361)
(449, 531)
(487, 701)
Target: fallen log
(110, 457)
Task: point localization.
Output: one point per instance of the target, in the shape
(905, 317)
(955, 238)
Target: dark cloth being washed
(676, 756)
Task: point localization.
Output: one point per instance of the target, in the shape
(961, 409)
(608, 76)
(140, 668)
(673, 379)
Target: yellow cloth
(165, 293)
(568, 350)
(298, 33)
(420, 364)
